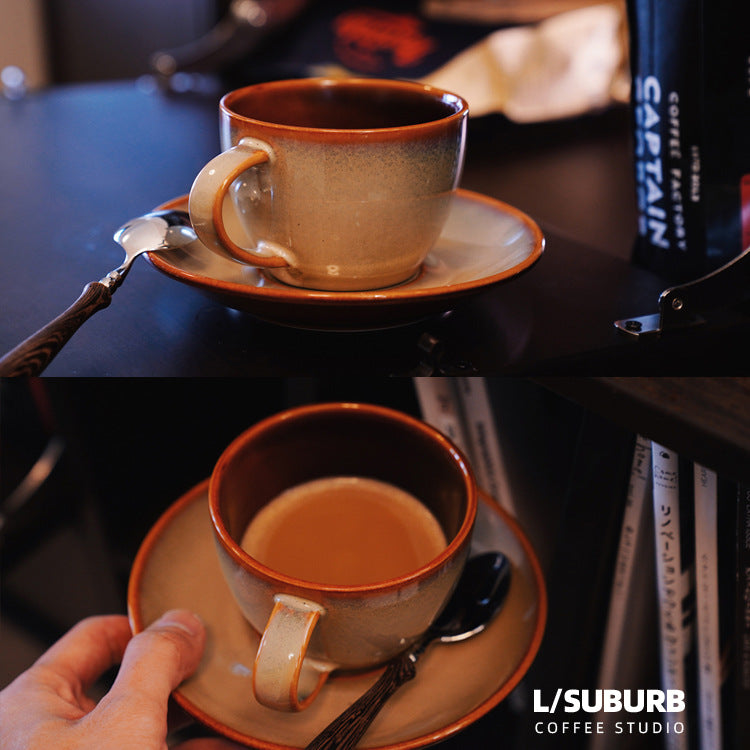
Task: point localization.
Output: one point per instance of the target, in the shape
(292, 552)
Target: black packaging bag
(690, 62)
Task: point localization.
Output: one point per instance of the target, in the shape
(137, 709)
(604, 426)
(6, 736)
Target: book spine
(440, 408)
(671, 587)
(620, 603)
(482, 437)
(707, 609)
(638, 489)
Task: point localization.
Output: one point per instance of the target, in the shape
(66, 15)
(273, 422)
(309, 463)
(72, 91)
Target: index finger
(89, 649)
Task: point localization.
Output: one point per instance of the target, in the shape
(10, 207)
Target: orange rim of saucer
(284, 582)
(137, 625)
(398, 293)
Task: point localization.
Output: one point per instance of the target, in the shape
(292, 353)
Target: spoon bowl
(159, 230)
(479, 595)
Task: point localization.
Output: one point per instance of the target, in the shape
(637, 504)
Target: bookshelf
(706, 418)
(705, 422)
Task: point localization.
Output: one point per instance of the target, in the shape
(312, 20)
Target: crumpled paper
(567, 65)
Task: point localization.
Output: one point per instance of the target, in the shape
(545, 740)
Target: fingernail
(182, 619)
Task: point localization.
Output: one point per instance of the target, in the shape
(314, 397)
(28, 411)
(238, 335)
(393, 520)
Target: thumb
(157, 660)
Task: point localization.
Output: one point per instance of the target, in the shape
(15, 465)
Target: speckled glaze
(335, 626)
(334, 201)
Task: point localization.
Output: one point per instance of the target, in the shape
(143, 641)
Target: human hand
(47, 706)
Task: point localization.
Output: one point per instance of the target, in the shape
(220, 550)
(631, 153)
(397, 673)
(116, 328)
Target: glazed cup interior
(331, 104)
(340, 440)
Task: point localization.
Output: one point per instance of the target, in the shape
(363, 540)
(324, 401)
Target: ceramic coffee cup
(339, 184)
(310, 628)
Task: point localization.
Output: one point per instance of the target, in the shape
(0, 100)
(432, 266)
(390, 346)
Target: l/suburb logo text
(611, 701)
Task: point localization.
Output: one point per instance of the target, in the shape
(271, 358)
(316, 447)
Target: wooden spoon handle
(31, 356)
(345, 731)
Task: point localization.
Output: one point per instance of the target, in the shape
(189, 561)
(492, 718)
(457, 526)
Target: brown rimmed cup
(341, 184)
(310, 629)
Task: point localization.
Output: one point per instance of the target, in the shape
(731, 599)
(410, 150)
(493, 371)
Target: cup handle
(282, 677)
(207, 196)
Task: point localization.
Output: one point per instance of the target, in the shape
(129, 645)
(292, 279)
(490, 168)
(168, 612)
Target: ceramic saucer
(484, 242)
(455, 683)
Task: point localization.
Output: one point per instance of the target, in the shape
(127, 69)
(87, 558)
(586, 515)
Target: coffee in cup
(344, 530)
(341, 530)
(339, 184)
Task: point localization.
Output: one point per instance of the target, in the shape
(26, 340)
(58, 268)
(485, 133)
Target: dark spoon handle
(345, 731)
(31, 356)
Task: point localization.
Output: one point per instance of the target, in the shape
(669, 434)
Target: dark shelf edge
(703, 418)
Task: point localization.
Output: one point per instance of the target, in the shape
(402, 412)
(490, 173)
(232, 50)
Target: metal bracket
(433, 359)
(686, 305)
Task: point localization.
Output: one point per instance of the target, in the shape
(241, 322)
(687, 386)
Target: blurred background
(547, 80)
(62, 41)
(54, 42)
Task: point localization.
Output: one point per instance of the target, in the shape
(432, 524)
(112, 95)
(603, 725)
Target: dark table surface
(78, 161)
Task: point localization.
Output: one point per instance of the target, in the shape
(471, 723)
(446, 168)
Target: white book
(440, 407)
(707, 609)
(671, 584)
(621, 604)
(484, 443)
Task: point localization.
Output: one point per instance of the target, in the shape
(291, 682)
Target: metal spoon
(160, 230)
(478, 597)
